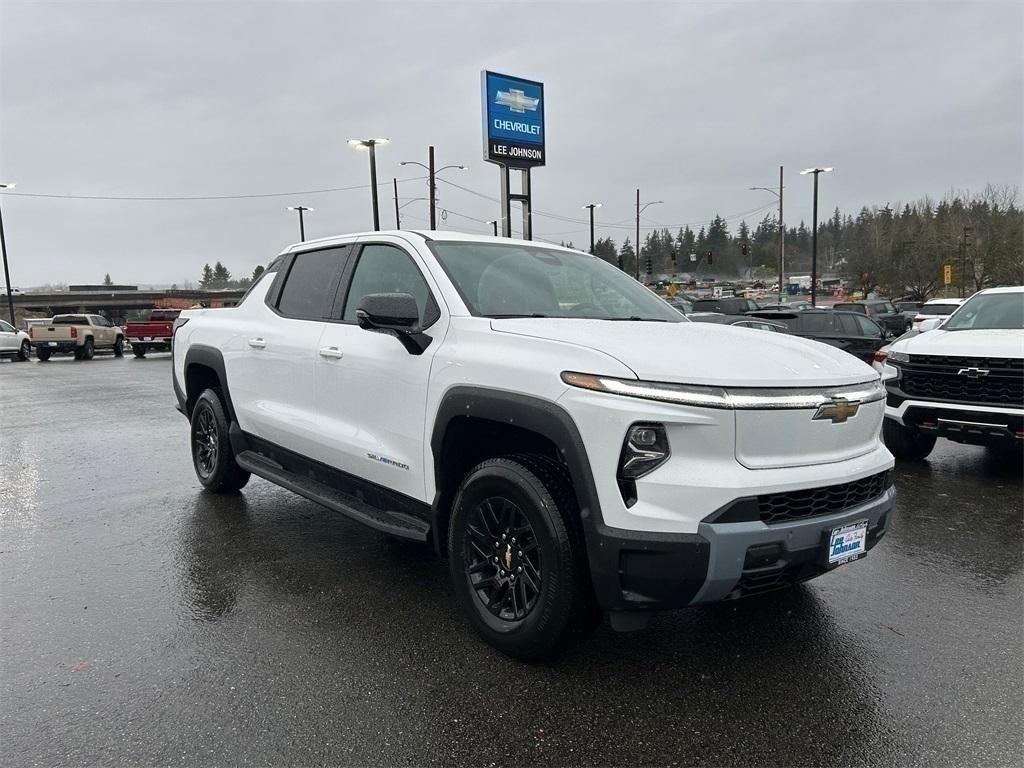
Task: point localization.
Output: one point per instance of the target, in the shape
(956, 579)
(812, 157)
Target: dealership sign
(513, 112)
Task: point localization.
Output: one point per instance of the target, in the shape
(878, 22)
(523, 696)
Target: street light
(371, 144)
(302, 226)
(432, 183)
(494, 222)
(814, 234)
(592, 206)
(636, 247)
(782, 232)
(3, 247)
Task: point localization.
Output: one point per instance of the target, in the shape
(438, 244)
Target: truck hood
(996, 342)
(701, 353)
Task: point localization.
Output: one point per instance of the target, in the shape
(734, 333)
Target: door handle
(331, 352)
(257, 343)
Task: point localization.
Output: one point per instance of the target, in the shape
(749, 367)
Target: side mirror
(388, 312)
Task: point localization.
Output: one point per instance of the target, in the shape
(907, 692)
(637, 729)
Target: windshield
(989, 311)
(510, 280)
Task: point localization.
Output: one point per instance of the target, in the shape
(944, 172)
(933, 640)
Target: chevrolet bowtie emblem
(972, 373)
(837, 411)
(516, 100)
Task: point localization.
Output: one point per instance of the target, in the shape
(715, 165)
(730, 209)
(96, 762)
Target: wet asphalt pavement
(145, 622)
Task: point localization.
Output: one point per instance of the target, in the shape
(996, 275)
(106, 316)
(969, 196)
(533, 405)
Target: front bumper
(973, 423)
(634, 571)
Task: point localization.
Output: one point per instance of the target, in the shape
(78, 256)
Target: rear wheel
(906, 443)
(43, 354)
(139, 350)
(212, 456)
(88, 349)
(517, 559)
(25, 351)
(119, 347)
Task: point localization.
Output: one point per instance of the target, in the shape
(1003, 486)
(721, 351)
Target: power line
(165, 198)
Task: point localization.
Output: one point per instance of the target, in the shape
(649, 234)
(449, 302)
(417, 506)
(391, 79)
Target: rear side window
(308, 283)
(816, 322)
(69, 320)
(867, 327)
(6, 327)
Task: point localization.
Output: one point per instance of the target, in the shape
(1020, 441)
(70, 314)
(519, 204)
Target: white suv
(568, 440)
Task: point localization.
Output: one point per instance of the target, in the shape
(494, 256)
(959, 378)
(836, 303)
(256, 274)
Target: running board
(394, 523)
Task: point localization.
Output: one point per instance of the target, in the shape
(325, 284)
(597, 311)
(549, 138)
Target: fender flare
(210, 357)
(535, 414)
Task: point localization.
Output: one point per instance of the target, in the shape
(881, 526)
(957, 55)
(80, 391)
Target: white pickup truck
(963, 380)
(570, 442)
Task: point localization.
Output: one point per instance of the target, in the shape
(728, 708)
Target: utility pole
(814, 234)
(433, 187)
(371, 145)
(964, 243)
(7, 273)
(592, 206)
(636, 247)
(302, 225)
(398, 218)
(782, 240)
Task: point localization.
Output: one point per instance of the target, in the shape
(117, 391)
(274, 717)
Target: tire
(212, 456)
(906, 443)
(139, 350)
(119, 347)
(500, 504)
(25, 352)
(43, 354)
(88, 349)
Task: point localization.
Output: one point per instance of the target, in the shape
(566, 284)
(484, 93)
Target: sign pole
(506, 204)
(527, 206)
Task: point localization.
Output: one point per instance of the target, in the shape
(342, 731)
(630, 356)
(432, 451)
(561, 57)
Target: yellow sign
(947, 274)
(672, 290)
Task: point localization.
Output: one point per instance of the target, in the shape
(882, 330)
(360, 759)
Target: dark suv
(882, 311)
(850, 331)
(727, 305)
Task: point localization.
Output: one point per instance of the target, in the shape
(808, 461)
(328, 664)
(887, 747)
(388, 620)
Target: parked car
(935, 308)
(850, 331)
(881, 311)
(878, 361)
(80, 335)
(523, 408)
(152, 335)
(726, 305)
(793, 306)
(963, 381)
(14, 343)
(683, 306)
(739, 320)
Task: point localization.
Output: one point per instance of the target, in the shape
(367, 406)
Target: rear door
(270, 364)
(371, 391)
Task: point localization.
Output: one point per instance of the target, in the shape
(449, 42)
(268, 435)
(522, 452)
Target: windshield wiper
(512, 317)
(636, 319)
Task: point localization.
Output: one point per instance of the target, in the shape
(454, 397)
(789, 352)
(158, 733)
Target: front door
(371, 391)
(9, 341)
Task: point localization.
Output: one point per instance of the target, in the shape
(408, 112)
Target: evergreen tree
(107, 280)
(604, 248)
(221, 276)
(627, 257)
(206, 281)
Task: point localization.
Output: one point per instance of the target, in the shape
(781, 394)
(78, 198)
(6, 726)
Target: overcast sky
(692, 102)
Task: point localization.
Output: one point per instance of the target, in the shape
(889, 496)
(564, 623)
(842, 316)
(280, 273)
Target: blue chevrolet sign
(513, 112)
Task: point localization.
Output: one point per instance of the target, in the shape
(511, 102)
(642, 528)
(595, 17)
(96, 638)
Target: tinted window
(307, 284)
(387, 269)
(69, 320)
(848, 325)
(867, 327)
(706, 305)
(816, 322)
(851, 308)
(939, 309)
(6, 327)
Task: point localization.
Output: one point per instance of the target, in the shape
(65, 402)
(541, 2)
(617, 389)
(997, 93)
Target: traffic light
(649, 269)
(708, 256)
(745, 249)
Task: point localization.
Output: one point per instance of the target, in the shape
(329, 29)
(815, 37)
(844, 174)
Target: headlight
(898, 357)
(683, 394)
(644, 450)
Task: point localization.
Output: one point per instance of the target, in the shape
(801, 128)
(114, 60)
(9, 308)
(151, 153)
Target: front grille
(935, 377)
(815, 502)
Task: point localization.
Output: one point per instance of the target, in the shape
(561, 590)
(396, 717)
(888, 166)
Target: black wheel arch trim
(209, 357)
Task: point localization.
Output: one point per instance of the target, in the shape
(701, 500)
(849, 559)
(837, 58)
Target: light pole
(814, 234)
(3, 247)
(411, 200)
(782, 233)
(636, 247)
(371, 144)
(592, 206)
(302, 224)
(432, 180)
(494, 223)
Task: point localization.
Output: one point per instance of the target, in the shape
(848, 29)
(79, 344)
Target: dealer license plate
(148, 338)
(51, 344)
(848, 543)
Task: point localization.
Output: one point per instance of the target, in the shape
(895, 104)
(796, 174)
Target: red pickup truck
(153, 335)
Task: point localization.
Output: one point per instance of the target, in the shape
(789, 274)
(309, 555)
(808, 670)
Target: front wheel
(25, 351)
(212, 457)
(906, 443)
(517, 558)
(119, 347)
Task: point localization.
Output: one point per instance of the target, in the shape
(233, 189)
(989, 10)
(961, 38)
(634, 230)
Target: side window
(816, 322)
(6, 327)
(308, 284)
(848, 325)
(867, 328)
(387, 269)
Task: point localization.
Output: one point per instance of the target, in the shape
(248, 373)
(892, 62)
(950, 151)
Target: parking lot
(147, 622)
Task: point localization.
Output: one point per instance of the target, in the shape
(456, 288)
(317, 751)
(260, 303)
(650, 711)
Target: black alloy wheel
(502, 559)
(88, 349)
(212, 455)
(205, 443)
